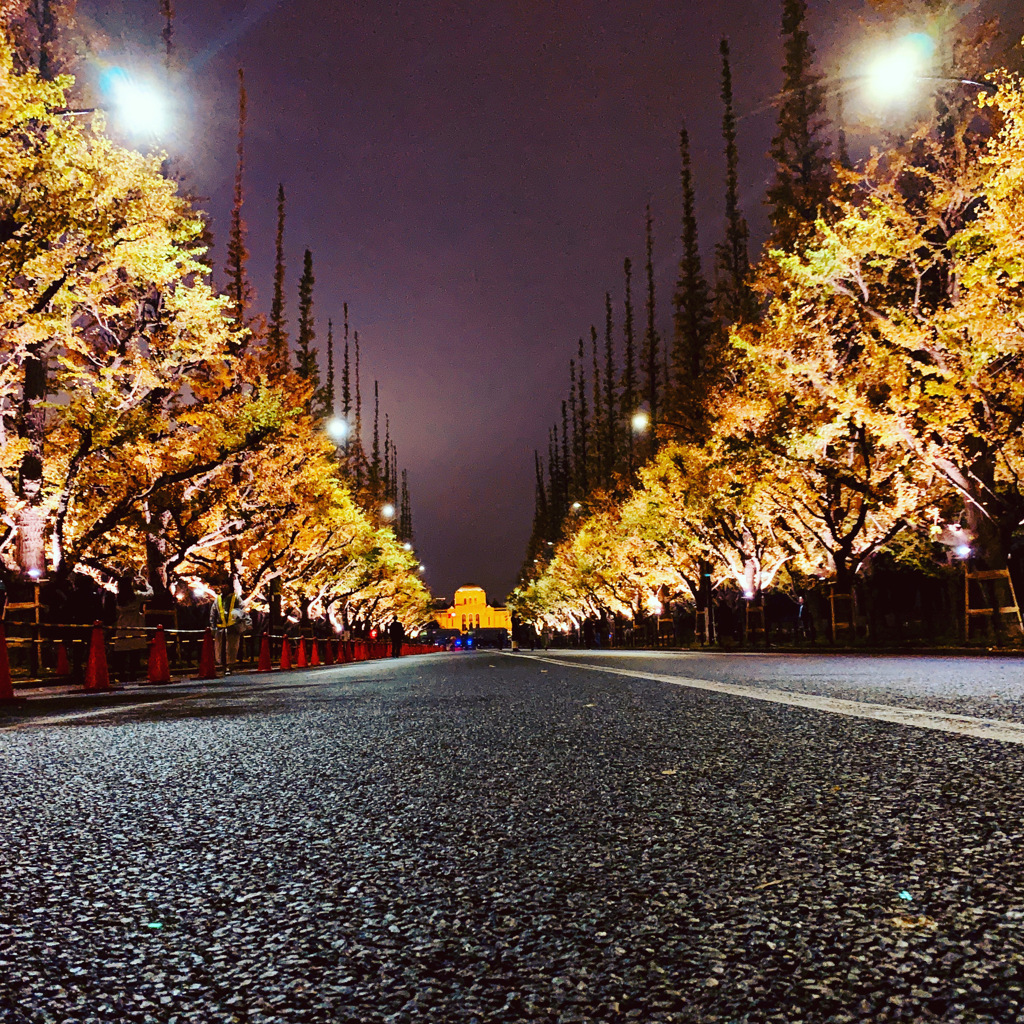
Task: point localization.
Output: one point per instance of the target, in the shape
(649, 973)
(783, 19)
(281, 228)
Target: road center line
(963, 725)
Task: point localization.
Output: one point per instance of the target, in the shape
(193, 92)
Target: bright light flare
(388, 511)
(338, 429)
(641, 421)
(139, 106)
(963, 551)
(894, 76)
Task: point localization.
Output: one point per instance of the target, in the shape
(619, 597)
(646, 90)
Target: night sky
(469, 176)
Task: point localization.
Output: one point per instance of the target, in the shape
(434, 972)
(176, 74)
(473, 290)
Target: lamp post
(338, 429)
(138, 106)
(892, 74)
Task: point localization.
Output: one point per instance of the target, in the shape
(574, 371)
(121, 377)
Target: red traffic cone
(159, 668)
(286, 654)
(314, 657)
(329, 658)
(6, 686)
(97, 678)
(300, 661)
(264, 664)
(207, 658)
(63, 665)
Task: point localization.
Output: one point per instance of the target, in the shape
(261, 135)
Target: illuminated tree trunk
(30, 518)
(158, 551)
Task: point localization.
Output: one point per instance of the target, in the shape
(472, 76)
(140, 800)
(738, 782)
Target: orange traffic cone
(159, 668)
(329, 658)
(314, 658)
(6, 687)
(207, 658)
(63, 665)
(264, 664)
(97, 678)
(286, 654)
(300, 661)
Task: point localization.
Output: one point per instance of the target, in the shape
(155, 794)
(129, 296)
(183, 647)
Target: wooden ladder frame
(837, 624)
(981, 576)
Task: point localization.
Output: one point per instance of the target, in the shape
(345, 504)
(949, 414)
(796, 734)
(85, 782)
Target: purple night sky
(469, 177)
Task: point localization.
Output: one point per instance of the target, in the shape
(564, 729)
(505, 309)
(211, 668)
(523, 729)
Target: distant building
(471, 611)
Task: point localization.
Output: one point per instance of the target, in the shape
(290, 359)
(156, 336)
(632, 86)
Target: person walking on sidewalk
(397, 633)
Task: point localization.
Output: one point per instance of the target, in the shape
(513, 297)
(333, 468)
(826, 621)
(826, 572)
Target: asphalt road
(497, 838)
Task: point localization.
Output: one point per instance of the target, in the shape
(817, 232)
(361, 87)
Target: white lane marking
(963, 725)
(97, 713)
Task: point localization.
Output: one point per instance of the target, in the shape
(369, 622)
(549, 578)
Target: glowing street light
(641, 421)
(388, 511)
(338, 429)
(407, 546)
(894, 75)
(139, 106)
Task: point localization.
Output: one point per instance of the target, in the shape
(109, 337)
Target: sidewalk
(33, 700)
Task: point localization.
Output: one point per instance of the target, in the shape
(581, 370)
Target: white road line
(111, 709)
(962, 725)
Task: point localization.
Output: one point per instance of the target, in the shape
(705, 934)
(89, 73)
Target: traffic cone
(97, 678)
(207, 658)
(329, 658)
(159, 668)
(300, 661)
(6, 687)
(286, 654)
(264, 665)
(314, 657)
(63, 665)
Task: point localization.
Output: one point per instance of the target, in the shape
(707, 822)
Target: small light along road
(548, 836)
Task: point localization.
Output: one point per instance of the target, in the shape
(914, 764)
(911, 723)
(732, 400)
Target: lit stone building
(471, 611)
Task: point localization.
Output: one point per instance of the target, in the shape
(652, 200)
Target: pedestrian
(130, 638)
(588, 632)
(397, 633)
(804, 623)
(229, 619)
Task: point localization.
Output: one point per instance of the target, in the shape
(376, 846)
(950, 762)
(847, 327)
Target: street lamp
(893, 74)
(407, 546)
(139, 106)
(388, 511)
(338, 429)
(641, 421)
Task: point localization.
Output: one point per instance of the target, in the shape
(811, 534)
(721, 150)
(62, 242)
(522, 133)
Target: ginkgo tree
(115, 373)
(909, 311)
(140, 426)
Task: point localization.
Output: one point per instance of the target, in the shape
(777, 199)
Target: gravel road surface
(489, 838)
